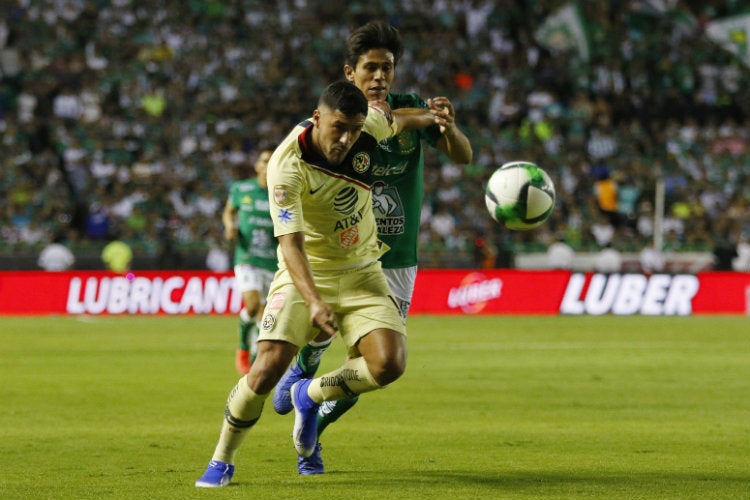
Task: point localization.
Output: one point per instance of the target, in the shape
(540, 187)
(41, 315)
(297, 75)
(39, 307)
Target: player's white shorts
(401, 281)
(250, 278)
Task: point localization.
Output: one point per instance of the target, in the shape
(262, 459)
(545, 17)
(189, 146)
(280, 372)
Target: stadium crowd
(127, 119)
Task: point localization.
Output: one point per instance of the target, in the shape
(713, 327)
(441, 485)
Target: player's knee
(389, 369)
(385, 352)
(391, 373)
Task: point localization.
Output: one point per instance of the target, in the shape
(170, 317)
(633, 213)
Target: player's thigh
(251, 299)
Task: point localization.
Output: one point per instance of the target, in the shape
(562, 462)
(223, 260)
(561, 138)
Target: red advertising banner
(453, 291)
(147, 292)
(563, 292)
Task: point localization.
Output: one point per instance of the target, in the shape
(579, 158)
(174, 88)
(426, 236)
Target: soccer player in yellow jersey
(373, 52)
(329, 280)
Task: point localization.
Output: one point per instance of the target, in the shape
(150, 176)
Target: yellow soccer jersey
(331, 204)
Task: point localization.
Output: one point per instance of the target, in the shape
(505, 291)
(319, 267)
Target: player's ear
(349, 72)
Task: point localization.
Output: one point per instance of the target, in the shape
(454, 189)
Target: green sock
(330, 411)
(309, 356)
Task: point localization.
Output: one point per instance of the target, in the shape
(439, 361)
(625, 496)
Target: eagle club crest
(361, 162)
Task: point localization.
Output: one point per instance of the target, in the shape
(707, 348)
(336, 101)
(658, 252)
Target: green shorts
(361, 299)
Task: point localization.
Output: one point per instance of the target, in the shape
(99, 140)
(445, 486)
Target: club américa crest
(361, 162)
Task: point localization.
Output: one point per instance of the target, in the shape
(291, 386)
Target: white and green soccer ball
(520, 195)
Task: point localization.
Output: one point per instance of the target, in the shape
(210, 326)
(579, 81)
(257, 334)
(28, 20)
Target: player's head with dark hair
(373, 35)
(345, 97)
(338, 121)
(372, 53)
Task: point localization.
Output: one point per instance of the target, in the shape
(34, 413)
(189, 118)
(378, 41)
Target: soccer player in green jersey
(329, 281)
(372, 53)
(248, 223)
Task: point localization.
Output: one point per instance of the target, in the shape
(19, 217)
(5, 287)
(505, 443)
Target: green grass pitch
(499, 407)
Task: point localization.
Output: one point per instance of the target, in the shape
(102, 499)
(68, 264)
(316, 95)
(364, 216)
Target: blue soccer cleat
(305, 431)
(217, 475)
(282, 398)
(313, 464)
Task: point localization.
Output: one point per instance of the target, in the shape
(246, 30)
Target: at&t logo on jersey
(345, 203)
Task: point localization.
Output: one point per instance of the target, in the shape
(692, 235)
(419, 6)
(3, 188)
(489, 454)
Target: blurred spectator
(117, 256)
(56, 257)
(608, 260)
(742, 261)
(606, 191)
(725, 254)
(560, 255)
(32, 233)
(443, 223)
(651, 260)
(217, 260)
(602, 230)
(97, 222)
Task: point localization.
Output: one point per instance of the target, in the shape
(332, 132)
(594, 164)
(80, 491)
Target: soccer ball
(520, 195)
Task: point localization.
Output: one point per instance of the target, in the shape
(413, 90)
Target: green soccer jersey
(398, 186)
(256, 244)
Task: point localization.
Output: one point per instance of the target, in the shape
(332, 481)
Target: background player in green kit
(372, 53)
(248, 223)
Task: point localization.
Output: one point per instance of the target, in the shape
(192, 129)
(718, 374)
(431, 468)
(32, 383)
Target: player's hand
(324, 318)
(384, 108)
(444, 113)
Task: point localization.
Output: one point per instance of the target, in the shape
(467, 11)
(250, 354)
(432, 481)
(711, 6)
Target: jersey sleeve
(285, 188)
(378, 125)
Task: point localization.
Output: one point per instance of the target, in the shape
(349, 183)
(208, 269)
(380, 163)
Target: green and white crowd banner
(732, 34)
(564, 31)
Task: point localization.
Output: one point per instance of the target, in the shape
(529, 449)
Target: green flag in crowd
(732, 34)
(563, 31)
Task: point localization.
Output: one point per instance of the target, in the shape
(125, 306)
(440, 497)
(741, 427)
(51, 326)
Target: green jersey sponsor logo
(388, 209)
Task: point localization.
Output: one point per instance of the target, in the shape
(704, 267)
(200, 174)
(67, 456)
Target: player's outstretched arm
(413, 118)
(321, 314)
(453, 143)
(406, 118)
